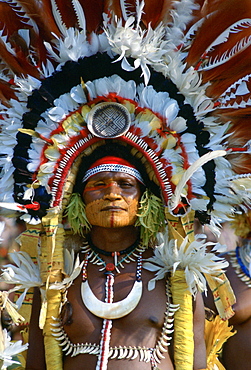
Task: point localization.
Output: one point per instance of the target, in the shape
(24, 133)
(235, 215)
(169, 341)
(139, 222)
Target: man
(112, 200)
(146, 76)
(236, 351)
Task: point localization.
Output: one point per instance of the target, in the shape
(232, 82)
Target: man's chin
(115, 223)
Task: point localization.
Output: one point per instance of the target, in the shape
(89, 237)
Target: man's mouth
(113, 208)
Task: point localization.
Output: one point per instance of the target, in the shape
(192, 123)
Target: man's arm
(200, 361)
(35, 356)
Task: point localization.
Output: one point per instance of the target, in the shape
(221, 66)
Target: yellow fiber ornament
(183, 323)
(52, 349)
(52, 266)
(217, 332)
(179, 228)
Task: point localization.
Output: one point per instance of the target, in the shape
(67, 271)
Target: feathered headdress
(174, 82)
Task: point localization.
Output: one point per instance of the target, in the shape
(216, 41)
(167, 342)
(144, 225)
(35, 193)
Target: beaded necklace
(109, 310)
(129, 253)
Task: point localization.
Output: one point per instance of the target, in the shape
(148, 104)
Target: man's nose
(113, 192)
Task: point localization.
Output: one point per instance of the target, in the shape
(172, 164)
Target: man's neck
(113, 239)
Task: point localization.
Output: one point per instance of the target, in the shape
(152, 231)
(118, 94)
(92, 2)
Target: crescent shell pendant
(114, 310)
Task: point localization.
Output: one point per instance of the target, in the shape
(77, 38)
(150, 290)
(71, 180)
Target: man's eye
(99, 183)
(126, 184)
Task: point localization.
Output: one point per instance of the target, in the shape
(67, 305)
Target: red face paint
(112, 199)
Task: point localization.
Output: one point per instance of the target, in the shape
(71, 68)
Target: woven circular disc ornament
(108, 120)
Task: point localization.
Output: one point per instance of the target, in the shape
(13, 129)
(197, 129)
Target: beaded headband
(106, 165)
(113, 164)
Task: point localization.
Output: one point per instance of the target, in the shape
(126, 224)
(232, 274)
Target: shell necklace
(108, 310)
(240, 259)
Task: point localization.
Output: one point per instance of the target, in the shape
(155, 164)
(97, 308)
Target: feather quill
(58, 18)
(139, 11)
(79, 14)
(234, 28)
(124, 9)
(227, 55)
(188, 174)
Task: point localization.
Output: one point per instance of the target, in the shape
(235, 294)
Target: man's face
(112, 199)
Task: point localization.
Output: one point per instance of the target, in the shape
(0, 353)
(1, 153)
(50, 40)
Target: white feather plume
(192, 258)
(9, 350)
(24, 274)
(72, 270)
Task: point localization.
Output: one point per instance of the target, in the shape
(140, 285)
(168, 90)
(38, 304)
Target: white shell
(115, 310)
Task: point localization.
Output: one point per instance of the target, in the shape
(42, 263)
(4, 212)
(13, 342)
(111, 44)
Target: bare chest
(140, 327)
(135, 336)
